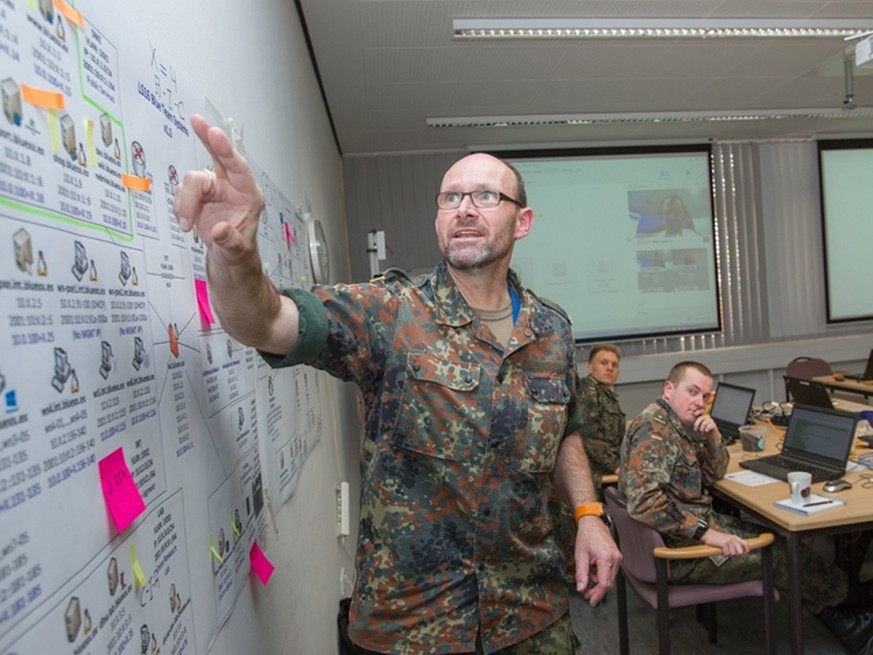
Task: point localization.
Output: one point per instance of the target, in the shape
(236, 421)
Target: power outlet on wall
(342, 510)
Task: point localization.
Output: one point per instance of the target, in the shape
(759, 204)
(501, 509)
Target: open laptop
(807, 392)
(731, 408)
(866, 374)
(817, 441)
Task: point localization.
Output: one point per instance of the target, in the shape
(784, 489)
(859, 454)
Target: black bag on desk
(346, 645)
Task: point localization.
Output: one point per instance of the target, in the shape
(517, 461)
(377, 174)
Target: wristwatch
(589, 509)
(702, 527)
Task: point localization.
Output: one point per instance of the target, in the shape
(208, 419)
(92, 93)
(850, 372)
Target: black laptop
(866, 374)
(807, 392)
(817, 441)
(731, 408)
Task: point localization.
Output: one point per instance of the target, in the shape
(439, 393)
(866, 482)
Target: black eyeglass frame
(500, 197)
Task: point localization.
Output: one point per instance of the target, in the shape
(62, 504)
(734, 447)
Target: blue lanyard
(516, 305)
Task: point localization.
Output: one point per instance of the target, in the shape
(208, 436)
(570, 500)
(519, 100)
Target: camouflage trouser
(821, 582)
(557, 639)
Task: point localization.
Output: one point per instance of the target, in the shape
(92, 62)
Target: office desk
(853, 386)
(856, 514)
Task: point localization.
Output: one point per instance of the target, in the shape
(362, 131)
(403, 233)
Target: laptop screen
(732, 404)
(822, 432)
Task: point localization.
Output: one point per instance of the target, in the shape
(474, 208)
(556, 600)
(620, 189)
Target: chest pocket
(688, 479)
(537, 443)
(439, 413)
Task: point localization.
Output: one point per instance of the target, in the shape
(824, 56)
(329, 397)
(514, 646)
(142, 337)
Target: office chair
(645, 564)
(806, 368)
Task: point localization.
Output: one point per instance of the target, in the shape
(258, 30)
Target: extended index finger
(227, 162)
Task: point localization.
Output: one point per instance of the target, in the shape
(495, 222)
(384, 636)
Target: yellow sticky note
(138, 575)
(89, 139)
(212, 548)
(54, 131)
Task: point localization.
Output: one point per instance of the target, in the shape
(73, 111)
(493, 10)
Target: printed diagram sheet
(109, 348)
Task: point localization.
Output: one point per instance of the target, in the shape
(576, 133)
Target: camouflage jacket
(460, 441)
(666, 470)
(603, 425)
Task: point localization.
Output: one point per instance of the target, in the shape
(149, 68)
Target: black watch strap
(702, 527)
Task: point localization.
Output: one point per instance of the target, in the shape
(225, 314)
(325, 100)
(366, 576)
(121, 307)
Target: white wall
(251, 61)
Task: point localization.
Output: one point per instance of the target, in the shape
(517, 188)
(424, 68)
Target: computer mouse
(832, 486)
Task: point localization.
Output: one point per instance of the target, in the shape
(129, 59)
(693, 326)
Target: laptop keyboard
(784, 465)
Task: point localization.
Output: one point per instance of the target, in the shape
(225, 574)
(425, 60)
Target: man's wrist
(702, 527)
(589, 509)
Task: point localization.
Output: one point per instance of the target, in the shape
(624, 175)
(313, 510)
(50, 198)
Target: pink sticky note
(203, 302)
(262, 567)
(289, 236)
(119, 490)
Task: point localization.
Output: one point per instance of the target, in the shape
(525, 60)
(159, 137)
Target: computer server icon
(138, 352)
(106, 130)
(68, 136)
(80, 262)
(125, 272)
(105, 359)
(73, 618)
(11, 101)
(23, 250)
(63, 370)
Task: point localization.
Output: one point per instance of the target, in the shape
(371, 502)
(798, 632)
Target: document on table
(751, 478)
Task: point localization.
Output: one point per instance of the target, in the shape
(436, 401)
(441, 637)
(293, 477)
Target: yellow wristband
(588, 509)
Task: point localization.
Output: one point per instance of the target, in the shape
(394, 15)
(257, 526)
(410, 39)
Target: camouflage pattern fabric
(558, 639)
(665, 473)
(461, 438)
(603, 425)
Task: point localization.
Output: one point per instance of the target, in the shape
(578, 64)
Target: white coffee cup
(800, 483)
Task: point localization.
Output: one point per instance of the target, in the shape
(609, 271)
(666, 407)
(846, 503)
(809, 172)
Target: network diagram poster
(109, 345)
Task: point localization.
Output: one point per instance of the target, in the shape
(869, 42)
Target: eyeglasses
(483, 199)
(867, 480)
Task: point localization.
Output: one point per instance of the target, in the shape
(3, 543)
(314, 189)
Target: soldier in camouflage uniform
(672, 453)
(603, 421)
(603, 425)
(469, 385)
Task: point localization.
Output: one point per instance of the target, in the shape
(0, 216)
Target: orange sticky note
(136, 183)
(262, 567)
(75, 17)
(42, 98)
(119, 490)
(203, 302)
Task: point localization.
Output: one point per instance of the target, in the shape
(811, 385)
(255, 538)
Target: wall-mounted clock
(319, 258)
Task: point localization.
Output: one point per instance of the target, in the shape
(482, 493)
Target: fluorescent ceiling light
(675, 28)
(649, 117)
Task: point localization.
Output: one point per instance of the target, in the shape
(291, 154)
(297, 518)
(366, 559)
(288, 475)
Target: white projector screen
(612, 244)
(846, 173)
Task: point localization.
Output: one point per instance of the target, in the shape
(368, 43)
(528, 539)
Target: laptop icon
(817, 441)
(730, 409)
(866, 374)
(807, 392)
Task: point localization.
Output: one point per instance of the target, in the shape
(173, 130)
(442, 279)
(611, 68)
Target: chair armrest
(696, 552)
